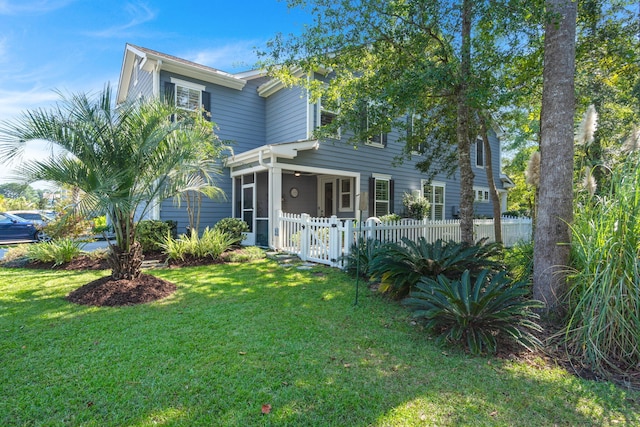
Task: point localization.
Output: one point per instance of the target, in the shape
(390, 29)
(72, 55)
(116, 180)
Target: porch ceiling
(287, 150)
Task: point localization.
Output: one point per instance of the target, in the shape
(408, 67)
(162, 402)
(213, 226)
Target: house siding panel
(286, 116)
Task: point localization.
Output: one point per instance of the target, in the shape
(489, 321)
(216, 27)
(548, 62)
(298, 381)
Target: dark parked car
(13, 229)
(36, 217)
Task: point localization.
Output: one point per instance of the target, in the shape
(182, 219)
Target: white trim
(381, 176)
(340, 193)
(188, 84)
(481, 194)
(434, 184)
(287, 150)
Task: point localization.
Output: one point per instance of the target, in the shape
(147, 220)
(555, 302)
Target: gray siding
(140, 88)
(286, 116)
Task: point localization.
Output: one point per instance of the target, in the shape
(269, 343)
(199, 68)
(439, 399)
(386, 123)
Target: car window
(4, 219)
(30, 216)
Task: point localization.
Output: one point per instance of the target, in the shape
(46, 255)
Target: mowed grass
(236, 337)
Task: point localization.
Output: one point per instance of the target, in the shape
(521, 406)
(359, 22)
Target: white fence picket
(327, 240)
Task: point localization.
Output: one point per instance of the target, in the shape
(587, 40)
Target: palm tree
(122, 159)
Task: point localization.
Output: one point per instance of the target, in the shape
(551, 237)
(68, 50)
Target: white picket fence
(327, 240)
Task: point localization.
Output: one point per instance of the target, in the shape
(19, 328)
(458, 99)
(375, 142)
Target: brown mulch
(113, 293)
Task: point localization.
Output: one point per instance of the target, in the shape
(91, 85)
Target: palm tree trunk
(126, 264)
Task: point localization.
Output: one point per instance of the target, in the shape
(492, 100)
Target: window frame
(342, 207)
(320, 110)
(383, 137)
(191, 87)
(376, 201)
(480, 154)
(481, 194)
(431, 198)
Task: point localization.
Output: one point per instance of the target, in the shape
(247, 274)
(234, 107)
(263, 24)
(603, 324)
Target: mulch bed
(114, 293)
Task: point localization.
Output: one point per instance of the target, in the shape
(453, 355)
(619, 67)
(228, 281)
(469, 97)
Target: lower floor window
(381, 201)
(434, 193)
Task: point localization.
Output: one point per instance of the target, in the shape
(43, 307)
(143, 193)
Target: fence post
(334, 241)
(304, 236)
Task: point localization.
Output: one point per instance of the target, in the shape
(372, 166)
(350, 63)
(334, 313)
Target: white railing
(326, 240)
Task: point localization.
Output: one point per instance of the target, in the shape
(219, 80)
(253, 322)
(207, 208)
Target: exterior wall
(140, 87)
(286, 116)
(240, 120)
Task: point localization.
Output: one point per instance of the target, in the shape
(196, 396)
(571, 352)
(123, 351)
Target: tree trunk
(464, 143)
(552, 234)
(495, 197)
(125, 264)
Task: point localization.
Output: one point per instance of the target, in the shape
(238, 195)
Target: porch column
(275, 205)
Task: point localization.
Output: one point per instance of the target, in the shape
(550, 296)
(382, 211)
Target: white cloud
(12, 103)
(227, 57)
(14, 7)
(139, 14)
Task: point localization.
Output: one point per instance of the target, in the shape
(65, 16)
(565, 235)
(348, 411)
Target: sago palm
(122, 159)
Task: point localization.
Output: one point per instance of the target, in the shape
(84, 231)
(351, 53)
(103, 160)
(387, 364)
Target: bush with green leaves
(390, 218)
(151, 234)
(519, 261)
(399, 266)
(212, 244)
(475, 312)
(360, 256)
(415, 205)
(58, 251)
(68, 225)
(234, 227)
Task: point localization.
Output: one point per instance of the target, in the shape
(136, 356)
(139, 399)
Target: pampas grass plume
(532, 174)
(587, 127)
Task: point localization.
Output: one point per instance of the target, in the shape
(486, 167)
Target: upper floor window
(479, 153)
(368, 121)
(325, 117)
(189, 96)
(414, 127)
(434, 192)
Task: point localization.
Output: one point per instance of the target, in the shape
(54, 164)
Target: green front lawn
(236, 337)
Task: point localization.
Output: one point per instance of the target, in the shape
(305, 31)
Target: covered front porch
(267, 180)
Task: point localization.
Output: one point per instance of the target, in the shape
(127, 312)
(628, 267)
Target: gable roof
(151, 60)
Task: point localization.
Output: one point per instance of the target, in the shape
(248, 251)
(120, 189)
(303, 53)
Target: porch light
(296, 173)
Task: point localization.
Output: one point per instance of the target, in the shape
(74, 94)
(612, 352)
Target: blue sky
(78, 45)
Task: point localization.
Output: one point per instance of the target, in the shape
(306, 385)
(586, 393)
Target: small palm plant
(361, 255)
(475, 312)
(399, 266)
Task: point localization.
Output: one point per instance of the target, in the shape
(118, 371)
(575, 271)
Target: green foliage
(390, 218)
(475, 312)
(519, 261)
(68, 225)
(399, 266)
(246, 254)
(416, 206)
(15, 253)
(151, 234)
(603, 298)
(57, 251)
(361, 255)
(100, 225)
(211, 245)
(234, 227)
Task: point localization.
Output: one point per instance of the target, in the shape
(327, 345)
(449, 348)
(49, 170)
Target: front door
(326, 196)
(248, 208)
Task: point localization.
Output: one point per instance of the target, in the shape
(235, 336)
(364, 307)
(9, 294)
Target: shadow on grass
(235, 337)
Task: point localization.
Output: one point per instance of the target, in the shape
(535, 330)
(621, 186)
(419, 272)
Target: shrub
(67, 226)
(415, 206)
(234, 227)
(474, 312)
(57, 251)
(399, 266)
(100, 225)
(519, 261)
(211, 245)
(390, 218)
(360, 257)
(151, 234)
(15, 253)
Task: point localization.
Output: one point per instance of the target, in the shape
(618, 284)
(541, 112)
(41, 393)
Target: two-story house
(277, 165)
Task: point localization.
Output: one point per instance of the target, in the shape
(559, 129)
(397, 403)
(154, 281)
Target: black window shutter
(391, 197)
(169, 92)
(206, 103)
(384, 139)
(372, 196)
